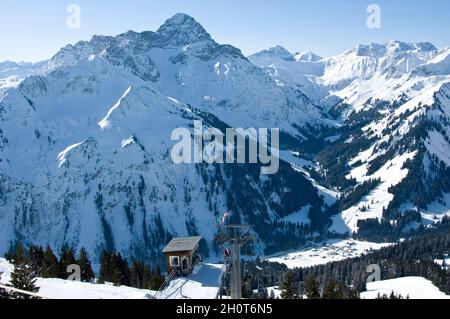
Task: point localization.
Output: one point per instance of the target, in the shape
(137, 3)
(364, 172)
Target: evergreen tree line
(354, 196)
(386, 231)
(312, 289)
(254, 201)
(115, 269)
(40, 262)
(257, 275)
(347, 278)
(414, 257)
(45, 264)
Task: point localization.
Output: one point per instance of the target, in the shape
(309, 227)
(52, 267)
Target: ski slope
(412, 287)
(204, 283)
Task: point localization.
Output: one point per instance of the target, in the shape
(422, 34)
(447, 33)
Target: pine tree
(288, 287)
(136, 275)
(104, 274)
(87, 274)
(312, 288)
(272, 294)
(332, 290)
(19, 255)
(115, 274)
(353, 294)
(36, 254)
(23, 278)
(157, 279)
(124, 270)
(49, 267)
(146, 277)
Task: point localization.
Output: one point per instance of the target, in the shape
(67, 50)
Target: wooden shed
(182, 255)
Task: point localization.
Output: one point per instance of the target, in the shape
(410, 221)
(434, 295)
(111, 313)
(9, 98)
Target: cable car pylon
(237, 235)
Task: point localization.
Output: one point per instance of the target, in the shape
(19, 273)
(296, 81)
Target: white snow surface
(334, 250)
(13, 73)
(445, 263)
(390, 174)
(412, 287)
(65, 289)
(202, 284)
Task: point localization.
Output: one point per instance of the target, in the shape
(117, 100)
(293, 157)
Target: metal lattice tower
(237, 236)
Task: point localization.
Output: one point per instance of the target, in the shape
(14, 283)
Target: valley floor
(333, 250)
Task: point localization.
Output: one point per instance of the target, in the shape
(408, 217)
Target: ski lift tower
(237, 236)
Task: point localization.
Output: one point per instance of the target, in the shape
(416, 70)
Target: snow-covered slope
(307, 57)
(85, 146)
(299, 70)
(393, 103)
(375, 71)
(204, 283)
(12, 73)
(407, 287)
(65, 289)
(19, 69)
(182, 61)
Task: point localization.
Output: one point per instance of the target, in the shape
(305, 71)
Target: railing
(223, 280)
(166, 283)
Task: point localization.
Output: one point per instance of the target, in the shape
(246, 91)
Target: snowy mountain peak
(183, 29)
(375, 50)
(403, 46)
(13, 73)
(307, 57)
(276, 52)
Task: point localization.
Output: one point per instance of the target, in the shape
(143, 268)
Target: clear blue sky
(34, 30)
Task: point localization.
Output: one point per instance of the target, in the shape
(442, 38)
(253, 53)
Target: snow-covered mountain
(392, 100)
(395, 102)
(307, 57)
(85, 144)
(293, 70)
(12, 73)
